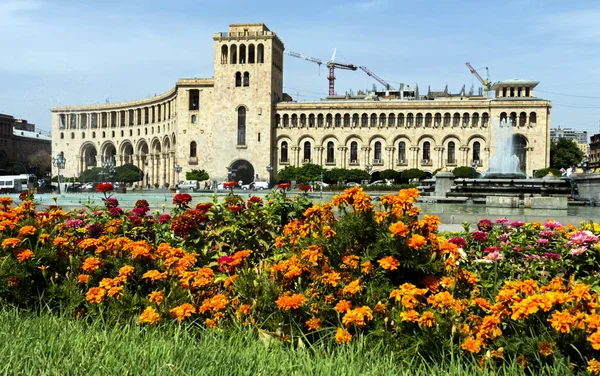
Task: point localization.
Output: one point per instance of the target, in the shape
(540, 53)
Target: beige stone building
(239, 124)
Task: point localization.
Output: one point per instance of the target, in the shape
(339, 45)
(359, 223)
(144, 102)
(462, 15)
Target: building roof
(515, 82)
(36, 135)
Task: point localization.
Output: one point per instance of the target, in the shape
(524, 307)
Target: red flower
(305, 188)
(104, 187)
(204, 208)
(254, 200)
(230, 184)
(284, 186)
(235, 208)
(182, 199)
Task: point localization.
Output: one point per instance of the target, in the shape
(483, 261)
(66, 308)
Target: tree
(40, 162)
(287, 174)
(390, 175)
(90, 175)
(128, 173)
(199, 175)
(565, 153)
(412, 173)
(465, 172)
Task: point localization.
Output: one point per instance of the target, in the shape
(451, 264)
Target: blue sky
(67, 52)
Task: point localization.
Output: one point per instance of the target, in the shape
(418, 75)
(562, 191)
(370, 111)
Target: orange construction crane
(331, 64)
(487, 85)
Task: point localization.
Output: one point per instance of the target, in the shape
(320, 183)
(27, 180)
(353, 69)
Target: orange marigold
(398, 229)
(24, 255)
(562, 321)
(314, 323)
(115, 292)
(381, 216)
(154, 275)
(594, 366)
(353, 288)
(83, 278)
(13, 281)
(343, 306)
(126, 271)
(546, 348)
(342, 336)
(351, 261)
(245, 309)
(472, 345)
(149, 316)
(215, 304)
(11, 243)
(183, 311)
(328, 232)
(411, 315)
(95, 295)
(91, 263)
(27, 230)
(332, 278)
(416, 241)
(427, 319)
(287, 302)
(156, 297)
(358, 316)
(389, 263)
(594, 339)
(367, 267)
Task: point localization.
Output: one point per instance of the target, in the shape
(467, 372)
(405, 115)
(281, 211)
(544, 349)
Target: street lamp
(59, 162)
(229, 173)
(269, 170)
(178, 169)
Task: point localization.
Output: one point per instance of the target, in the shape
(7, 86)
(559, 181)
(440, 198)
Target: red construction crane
(376, 77)
(331, 64)
(486, 83)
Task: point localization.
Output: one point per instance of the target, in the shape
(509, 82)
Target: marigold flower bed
(510, 290)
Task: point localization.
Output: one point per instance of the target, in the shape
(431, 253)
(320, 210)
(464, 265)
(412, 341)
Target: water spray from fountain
(504, 164)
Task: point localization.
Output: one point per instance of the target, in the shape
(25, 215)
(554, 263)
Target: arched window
(522, 119)
(485, 118)
(465, 120)
(294, 120)
(320, 121)
(238, 79)
(328, 120)
(284, 152)
(392, 120)
(242, 54)
(260, 53)
(286, 120)
(194, 117)
(373, 120)
(401, 152)
(451, 152)
(82, 134)
(233, 54)
(437, 120)
(354, 152)
(364, 120)
(456, 120)
(278, 120)
(426, 151)
(532, 119)
(330, 152)
(346, 120)
(382, 119)
(251, 54)
(475, 120)
(338, 120)
(241, 139)
(193, 149)
(409, 120)
(224, 54)
(428, 120)
(447, 119)
(302, 120)
(513, 119)
(246, 79)
(307, 152)
(476, 151)
(377, 152)
(311, 120)
(419, 120)
(400, 120)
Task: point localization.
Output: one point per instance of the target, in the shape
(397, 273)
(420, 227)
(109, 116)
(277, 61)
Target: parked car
(381, 182)
(73, 188)
(320, 184)
(192, 185)
(256, 185)
(352, 184)
(47, 188)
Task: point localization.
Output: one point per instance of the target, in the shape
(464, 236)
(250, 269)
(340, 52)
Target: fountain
(504, 164)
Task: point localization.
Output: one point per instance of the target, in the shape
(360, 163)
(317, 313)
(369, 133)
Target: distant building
(594, 152)
(19, 140)
(580, 137)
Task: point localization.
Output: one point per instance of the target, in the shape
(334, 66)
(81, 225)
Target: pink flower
(460, 242)
(503, 237)
(582, 237)
(517, 249)
(516, 224)
(494, 256)
(554, 256)
(542, 241)
(485, 225)
(224, 264)
(502, 220)
(480, 236)
(578, 251)
(547, 234)
(164, 218)
(552, 224)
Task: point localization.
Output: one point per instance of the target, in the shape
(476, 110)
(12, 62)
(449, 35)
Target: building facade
(240, 125)
(594, 159)
(580, 137)
(19, 141)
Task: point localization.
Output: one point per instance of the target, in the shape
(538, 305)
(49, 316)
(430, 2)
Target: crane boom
(376, 77)
(329, 64)
(475, 73)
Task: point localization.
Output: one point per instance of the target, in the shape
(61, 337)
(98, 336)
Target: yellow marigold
(24, 255)
(546, 348)
(351, 261)
(398, 229)
(126, 271)
(410, 315)
(381, 216)
(342, 336)
(183, 311)
(389, 263)
(91, 263)
(210, 323)
(427, 319)
(287, 302)
(314, 323)
(60, 241)
(215, 304)
(332, 278)
(44, 238)
(115, 292)
(279, 242)
(472, 345)
(27, 230)
(581, 292)
(380, 308)
(562, 321)
(154, 275)
(367, 267)
(83, 278)
(156, 297)
(594, 339)
(312, 254)
(442, 301)
(328, 232)
(343, 306)
(358, 316)
(95, 295)
(149, 316)
(594, 366)
(11, 243)
(416, 241)
(353, 288)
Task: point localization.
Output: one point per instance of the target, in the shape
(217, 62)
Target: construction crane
(376, 77)
(331, 64)
(487, 85)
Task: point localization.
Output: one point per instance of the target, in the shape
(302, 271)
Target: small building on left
(23, 148)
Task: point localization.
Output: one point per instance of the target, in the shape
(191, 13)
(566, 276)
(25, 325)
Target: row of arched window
(113, 119)
(233, 55)
(522, 120)
(242, 80)
(365, 120)
(377, 152)
(113, 133)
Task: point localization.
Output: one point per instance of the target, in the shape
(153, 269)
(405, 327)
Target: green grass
(47, 344)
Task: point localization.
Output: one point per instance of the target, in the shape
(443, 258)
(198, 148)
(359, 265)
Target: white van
(192, 185)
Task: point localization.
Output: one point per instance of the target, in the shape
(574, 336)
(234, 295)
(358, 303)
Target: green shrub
(412, 173)
(465, 172)
(544, 171)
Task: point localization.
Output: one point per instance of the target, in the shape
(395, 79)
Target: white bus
(16, 183)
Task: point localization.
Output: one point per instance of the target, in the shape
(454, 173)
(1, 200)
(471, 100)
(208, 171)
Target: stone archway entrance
(242, 170)
(520, 150)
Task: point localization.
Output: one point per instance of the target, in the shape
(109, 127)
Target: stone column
(342, 153)
(440, 157)
(296, 155)
(415, 157)
(319, 153)
(172, 160)
(390, 157)
(366, 152)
